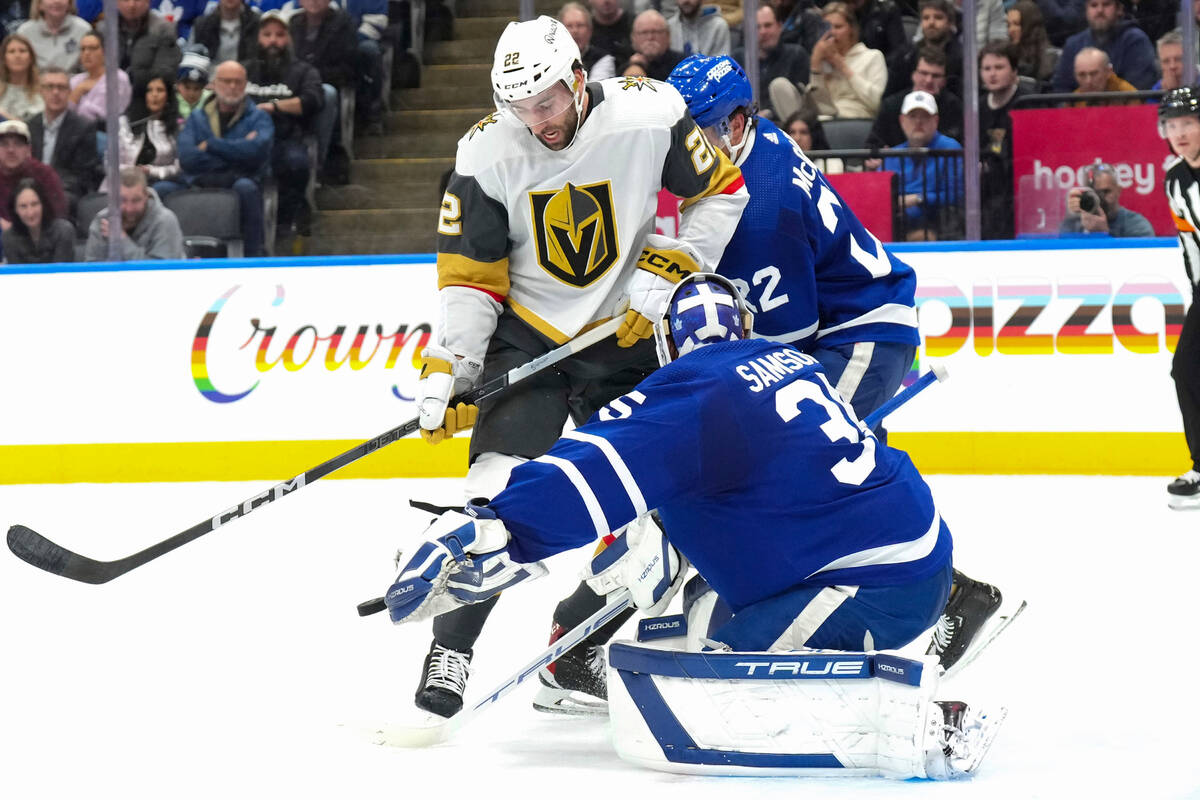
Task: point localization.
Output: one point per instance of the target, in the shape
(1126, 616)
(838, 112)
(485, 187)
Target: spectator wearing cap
(64, 139)
(290, 91)
(929, 76)
(54, 30)
(149, 230)
(324, 37)
(577, 19)
(17, 163)
(147, 41)
(1128, 48)
(226, 143)
(88, 88)
(36, 235)
(930, 186)
(229, 33)
(191, 84)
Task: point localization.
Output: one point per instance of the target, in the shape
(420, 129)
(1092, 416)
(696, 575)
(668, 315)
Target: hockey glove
(462, 559)
(643, 561)
(663, 263)
(444, 375)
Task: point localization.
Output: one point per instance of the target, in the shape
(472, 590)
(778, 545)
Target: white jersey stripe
(585, 492)
(618, 465)
(891, 553)
(814, 615)
(856, 368)
(892, 313)
(794, 336)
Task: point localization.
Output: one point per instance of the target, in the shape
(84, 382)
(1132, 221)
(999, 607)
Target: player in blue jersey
(818, 279)
(812, 531)
(760, 471)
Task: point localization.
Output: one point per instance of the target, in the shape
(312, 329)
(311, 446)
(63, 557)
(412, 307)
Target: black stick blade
(33, 548)
(368, 607)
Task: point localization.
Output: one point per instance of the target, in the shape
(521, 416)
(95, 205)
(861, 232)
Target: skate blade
(550, 700)
(996, 625)
(1182, 502)
(986, 725)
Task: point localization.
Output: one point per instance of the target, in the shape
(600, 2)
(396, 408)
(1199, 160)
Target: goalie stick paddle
(424, 736)
(33, 548)
(937, 373)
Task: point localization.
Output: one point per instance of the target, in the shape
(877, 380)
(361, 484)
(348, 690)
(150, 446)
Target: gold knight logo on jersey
(575, 232)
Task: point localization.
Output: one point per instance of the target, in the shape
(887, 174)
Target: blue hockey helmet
(704, 308)
(713, 88)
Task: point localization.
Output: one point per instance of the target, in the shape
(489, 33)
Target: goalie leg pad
(818, 713)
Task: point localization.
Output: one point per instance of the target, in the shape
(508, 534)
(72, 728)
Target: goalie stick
(33, 548)
(424, 736)
(937, 373)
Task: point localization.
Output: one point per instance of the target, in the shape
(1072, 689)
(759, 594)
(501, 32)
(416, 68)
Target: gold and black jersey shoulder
(473, 243)
(694, 168)
(483, 124)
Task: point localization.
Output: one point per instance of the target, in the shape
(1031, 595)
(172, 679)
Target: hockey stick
(30, 546)
(937, 373)
(424, 736)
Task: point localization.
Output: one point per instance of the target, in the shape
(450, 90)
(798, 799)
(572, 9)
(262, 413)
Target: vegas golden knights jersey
(1183, 197)
(554, 235)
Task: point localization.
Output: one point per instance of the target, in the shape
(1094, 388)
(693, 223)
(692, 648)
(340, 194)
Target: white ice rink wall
(1059, 354)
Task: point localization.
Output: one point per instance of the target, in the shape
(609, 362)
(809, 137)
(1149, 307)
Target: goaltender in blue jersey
(814, 534)
(813, 275)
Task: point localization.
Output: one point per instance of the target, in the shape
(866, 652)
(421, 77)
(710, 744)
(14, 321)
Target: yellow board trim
(1161, 454)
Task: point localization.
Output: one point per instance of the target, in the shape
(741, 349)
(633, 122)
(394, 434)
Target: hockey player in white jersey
(813, 532)
(819, 279)
(547, 229)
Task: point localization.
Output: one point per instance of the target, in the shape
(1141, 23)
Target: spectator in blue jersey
(371, 19)
(931, 188)
(1128, 48)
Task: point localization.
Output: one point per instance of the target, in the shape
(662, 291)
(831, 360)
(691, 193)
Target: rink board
(1059, 354)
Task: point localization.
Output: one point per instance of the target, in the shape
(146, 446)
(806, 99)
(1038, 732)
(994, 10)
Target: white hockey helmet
(704, 308)
(532, 57)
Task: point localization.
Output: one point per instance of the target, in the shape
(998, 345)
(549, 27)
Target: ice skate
(971, 605)
(574, 684)
(965, 735)
(443, 680)
(1184, 492)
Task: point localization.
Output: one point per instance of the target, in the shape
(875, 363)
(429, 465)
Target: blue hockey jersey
(759, 470)
(804, 262)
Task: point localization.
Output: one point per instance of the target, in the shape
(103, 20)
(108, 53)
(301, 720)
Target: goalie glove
(462, 559)
(443, 375)
(642, 561)
(663, 263)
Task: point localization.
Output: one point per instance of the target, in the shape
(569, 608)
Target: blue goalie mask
(703, 309)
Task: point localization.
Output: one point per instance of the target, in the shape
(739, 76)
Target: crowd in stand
(210, 94)
(899, 65)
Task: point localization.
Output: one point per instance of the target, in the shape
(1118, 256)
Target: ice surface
(236, 667)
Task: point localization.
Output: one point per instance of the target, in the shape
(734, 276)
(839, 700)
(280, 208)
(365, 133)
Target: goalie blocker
(818, 713)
